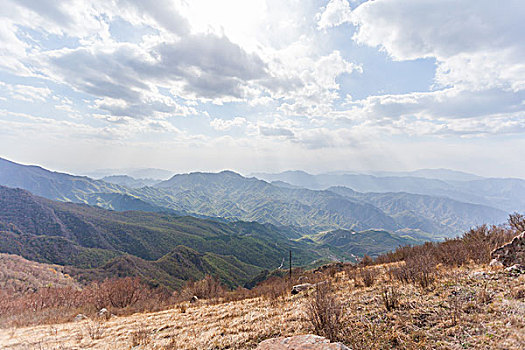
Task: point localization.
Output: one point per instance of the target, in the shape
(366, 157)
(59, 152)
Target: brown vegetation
(439, 296)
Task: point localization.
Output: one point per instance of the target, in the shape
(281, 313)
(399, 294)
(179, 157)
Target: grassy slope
(424, 319)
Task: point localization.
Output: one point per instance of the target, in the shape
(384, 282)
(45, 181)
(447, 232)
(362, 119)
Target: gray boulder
(511, 253)
(300, 342)
(80, 317)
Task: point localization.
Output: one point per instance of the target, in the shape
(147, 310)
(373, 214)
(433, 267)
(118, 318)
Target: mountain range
(225, 224)
(230, 196)
(507, 194)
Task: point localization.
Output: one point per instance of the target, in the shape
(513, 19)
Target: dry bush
(366, 261)
(390, 298)
(61, 304)
(325, 313)
(124, 292)
(94, 329)
(484, 296)
(273, 288)
(517, 222)
(474, 246)
(419, 270)
(368, 276)
(140, 337)
(207, 288)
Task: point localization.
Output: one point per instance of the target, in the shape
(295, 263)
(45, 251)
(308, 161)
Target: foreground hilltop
(435, 296)
(465, 308)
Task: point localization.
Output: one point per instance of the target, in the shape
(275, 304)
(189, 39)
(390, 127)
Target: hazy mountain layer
(428, 213)
(505, 194)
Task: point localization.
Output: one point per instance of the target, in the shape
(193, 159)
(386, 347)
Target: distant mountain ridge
(505, 194)
(230, 196)
(128, 181)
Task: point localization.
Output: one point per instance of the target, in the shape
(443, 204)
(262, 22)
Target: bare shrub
(94, 329)
(419, 270)
(484, 296)
(140, 337)
(366, 261)
(124, 292)
(517, 222)
(207, 288)
(61, 304)
(423, 270)
(390, 298)
(324, 312)
(368, 276)
(474, 246)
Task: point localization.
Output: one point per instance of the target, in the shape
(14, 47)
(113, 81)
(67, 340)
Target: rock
(301, 287)
(495, 263)
(194, 299)
(300, 342)
(80, 317)
(511, 253)
(516, 269)
(305, 286)
(104, 313)
(479, 274)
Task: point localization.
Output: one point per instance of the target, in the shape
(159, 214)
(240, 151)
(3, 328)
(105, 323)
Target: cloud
(224, 125)
(126, 77)
(477, 43)
(319, 138)
(451, 111)
(275, 131)
(27, 93)
(12, 49)
(310, 85)
(335, 13)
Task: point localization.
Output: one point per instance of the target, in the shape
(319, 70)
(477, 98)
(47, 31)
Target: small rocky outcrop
(80, 317)
(300, 342)
(194, 299)
(298, 288)
(104, 313)
(512, 253)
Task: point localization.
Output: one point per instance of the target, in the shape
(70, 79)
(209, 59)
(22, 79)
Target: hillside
(230, 196)
(90, 237)
(370, 242)
(19, 275)
(50, 184)
(128, 181)
(464, 308)
(427, 213)
(171, 270)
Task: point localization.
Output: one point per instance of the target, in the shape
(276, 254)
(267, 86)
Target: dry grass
(465, 308)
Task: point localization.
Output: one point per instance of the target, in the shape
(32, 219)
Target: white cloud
(308, 85)
(478, 44)
(224, 125)
(335, 13)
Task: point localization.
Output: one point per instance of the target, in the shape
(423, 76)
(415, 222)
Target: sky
(264, 85)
